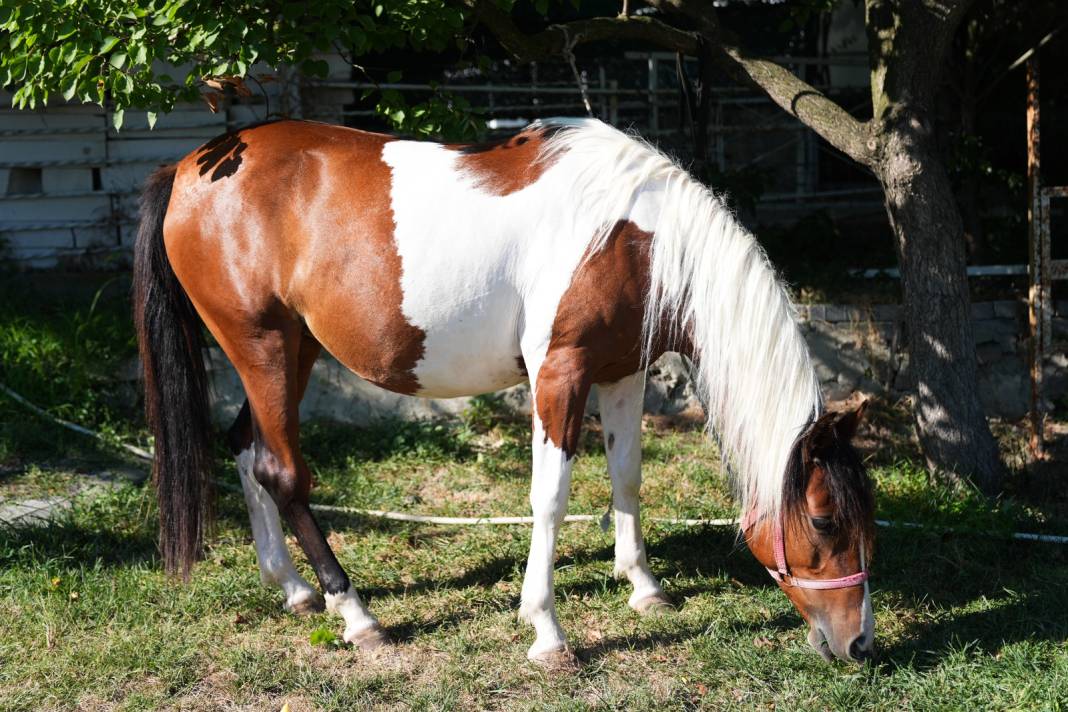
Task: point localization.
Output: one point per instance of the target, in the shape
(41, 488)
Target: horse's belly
(468, 349)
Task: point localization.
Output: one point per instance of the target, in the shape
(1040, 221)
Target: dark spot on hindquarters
(611, 440)
(497, 145)
(229, 165)
(221, 155)
(522, 365)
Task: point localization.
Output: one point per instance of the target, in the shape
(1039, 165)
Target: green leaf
(116, 118)
(108, 44)
(394, 77)
(71, 88)
(118, 60)
(80, 64)
(322, 636)
(151, 116)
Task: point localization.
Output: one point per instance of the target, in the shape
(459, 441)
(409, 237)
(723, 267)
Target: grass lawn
(88, 621)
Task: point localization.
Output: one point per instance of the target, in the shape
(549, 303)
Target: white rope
(471, 521)
(143, 454)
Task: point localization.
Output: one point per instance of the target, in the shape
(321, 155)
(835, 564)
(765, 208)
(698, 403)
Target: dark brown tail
(176, 386)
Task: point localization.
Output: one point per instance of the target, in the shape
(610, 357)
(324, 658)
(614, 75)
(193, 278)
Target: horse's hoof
(656, 605)
(371, 638)
(560, 660)
(307, 604)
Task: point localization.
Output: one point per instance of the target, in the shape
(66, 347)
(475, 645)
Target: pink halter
(783, 575)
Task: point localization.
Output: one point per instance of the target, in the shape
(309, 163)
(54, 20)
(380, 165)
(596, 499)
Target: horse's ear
(847, 422)
(819, 437)
(836, 426)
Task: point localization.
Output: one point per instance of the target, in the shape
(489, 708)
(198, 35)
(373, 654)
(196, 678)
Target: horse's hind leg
(621, 418)
(276, 565)
(269, 366)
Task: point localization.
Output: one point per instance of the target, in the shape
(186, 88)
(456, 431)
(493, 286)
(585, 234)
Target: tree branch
(552, 42)
(798, 98)
(805, 103)
(794, 95)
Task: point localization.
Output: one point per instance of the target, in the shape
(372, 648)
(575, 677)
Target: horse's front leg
(621, 419)
(559, 402)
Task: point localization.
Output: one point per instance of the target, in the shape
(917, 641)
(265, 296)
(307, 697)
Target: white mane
(710, 277)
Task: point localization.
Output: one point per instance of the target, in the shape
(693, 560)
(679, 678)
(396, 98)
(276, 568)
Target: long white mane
(711, 278)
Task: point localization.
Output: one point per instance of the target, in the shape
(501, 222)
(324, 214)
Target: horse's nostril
(857, 651)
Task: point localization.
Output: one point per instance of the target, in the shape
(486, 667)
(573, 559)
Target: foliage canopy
(151, 54)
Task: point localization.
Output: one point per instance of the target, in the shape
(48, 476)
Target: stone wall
(854, 348)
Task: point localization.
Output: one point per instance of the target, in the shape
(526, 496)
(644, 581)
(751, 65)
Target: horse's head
(824, 538)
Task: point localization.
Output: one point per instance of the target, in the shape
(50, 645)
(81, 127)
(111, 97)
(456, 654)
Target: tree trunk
(929, 238)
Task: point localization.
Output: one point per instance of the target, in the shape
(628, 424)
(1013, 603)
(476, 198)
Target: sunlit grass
(89, 620)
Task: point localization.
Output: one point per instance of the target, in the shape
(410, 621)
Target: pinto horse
(568, 255)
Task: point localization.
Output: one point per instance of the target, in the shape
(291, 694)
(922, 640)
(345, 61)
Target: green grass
(88, 620)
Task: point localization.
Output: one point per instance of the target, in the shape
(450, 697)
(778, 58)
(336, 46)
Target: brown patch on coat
(596, 335)
(505, 166)
(325, 254)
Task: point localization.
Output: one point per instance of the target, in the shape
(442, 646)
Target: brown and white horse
(571, 255)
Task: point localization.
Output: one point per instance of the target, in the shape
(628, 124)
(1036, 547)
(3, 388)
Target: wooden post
(1038, 296)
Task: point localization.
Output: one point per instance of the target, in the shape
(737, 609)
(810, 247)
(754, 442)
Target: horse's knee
(285, 483)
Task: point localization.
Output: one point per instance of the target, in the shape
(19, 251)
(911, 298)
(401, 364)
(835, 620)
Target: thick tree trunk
(929, 237)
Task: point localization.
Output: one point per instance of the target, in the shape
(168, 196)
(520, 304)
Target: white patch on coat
(481, 272)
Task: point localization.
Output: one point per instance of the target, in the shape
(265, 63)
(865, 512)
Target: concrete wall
(866, 349)
(853, 348)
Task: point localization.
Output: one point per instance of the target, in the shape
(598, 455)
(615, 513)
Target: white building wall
(84, 205)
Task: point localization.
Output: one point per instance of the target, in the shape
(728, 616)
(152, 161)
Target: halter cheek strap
(782, 573)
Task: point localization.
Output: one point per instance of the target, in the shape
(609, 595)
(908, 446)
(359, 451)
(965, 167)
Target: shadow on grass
(71, 545)
(1020, 589)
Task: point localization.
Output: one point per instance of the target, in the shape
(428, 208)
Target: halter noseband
(783, 575)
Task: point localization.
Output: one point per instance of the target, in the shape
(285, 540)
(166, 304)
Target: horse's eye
(824, 525)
